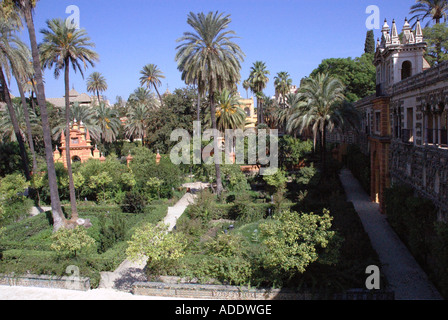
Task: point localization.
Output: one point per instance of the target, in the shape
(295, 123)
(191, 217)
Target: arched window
(406, 70)
(76, 159)
(247, 111)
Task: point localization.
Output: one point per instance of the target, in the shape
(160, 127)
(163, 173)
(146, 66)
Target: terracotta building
(81, 149)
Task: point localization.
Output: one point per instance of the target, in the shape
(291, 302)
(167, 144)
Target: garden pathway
(405, 277)
(129, 272)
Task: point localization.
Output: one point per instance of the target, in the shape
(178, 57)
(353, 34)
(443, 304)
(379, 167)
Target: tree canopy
(358, 75)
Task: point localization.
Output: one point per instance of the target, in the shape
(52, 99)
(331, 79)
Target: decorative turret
(418, 32)
(408, 35)
(397, 59)
(395, 39)
(386, 36)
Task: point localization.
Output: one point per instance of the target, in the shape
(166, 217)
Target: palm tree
(258, 79)
(22, 71)
(108, 121)
(79, 113)
(151, 76)
(141, 96)
(283, 84)
(321, 109)
(137, 122)
(434, 9)
(19, 9)
(210, 57)
(12, 59)
(246, 86)
(229, 114)
(96, 83)
(61, 47)
(6, 126)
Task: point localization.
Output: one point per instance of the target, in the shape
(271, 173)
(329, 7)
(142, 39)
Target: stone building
(83, 99)
(248, 106)
(405, 122)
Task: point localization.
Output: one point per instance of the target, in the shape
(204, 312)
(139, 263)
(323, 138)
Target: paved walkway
(403, 273)
(129, 272)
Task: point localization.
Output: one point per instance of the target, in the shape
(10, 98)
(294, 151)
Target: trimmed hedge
(415, 221)
(25, 246)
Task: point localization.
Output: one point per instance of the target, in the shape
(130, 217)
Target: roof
(74, 97)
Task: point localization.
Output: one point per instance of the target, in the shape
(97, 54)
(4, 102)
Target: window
(377, 121)
(75, 141)
(406, 70)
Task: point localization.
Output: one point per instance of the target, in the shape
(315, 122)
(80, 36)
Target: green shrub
(112, 230)
(133, 202)
(71, 241)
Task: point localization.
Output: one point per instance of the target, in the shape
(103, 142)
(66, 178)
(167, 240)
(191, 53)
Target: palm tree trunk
(324, 151)
(27, 122)
(59, 220)
(219, 187)
(67, 143)
(98, 95)
(15, 125)
(160, 97)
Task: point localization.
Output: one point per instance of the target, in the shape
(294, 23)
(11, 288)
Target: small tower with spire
(399, 58)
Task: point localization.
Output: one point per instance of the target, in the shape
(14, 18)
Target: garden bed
(25, 247)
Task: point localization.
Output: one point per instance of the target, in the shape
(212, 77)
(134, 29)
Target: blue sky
(288, 35)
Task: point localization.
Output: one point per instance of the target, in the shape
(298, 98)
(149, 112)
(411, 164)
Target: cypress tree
(369, 46)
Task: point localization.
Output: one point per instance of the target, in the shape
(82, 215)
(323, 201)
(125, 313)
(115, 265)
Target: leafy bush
(13, 204)
(71, 241)
(359, 165)
(133, 202)
(112, 230)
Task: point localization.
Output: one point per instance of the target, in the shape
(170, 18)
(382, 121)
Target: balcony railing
(407, 135)
(437, 136)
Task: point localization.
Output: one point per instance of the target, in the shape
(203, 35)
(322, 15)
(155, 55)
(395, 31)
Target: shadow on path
(405, 276)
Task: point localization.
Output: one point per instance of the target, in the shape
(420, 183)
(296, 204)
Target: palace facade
(404, 126)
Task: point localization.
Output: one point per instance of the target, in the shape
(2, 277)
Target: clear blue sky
(289, 35)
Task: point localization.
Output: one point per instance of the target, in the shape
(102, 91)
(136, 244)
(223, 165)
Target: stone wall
(197, 291)
(423, 168)
(48, 282)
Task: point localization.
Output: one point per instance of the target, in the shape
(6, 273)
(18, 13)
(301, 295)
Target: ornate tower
(399, 56)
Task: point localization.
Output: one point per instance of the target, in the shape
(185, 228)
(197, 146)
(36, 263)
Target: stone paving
(403, 273)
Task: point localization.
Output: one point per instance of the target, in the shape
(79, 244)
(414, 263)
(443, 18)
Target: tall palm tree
(322, 109)
(11, 59)
(436, 10)
(259, 78)
(246, 86)
(211, 57)
(137, 122)
(6, 126)
(96, 83)
(141, 96)
(24, 9)
(22, 72)
(78, 113)
(283, 83)
(151, 76)
(108, 121)
(229, 114)
(61, 47)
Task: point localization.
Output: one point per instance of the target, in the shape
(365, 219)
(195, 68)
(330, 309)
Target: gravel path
(403, 273)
